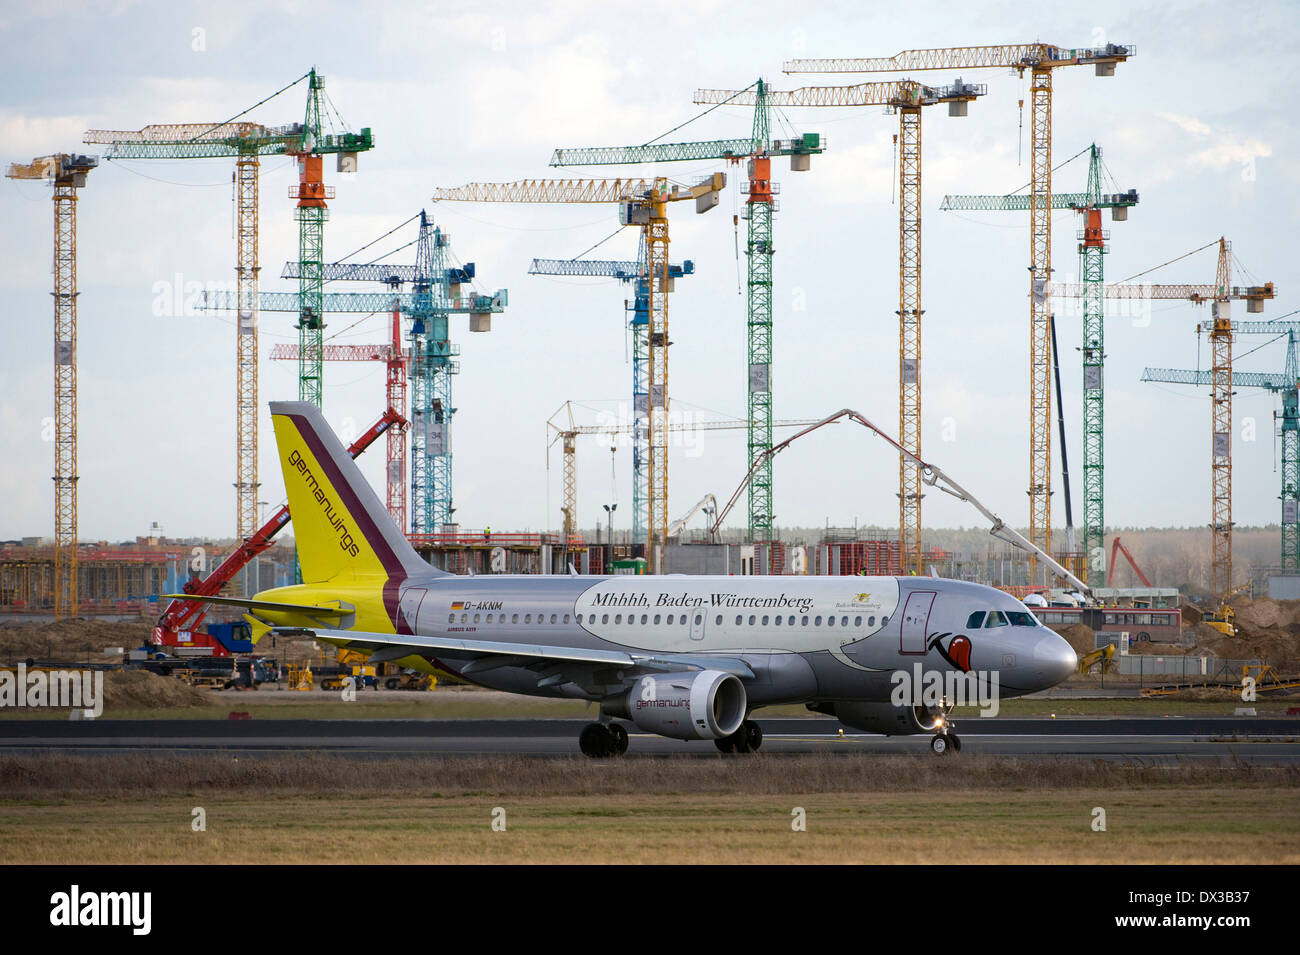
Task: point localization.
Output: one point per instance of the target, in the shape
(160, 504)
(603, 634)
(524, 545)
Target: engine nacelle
(703, 704)
(883, 718)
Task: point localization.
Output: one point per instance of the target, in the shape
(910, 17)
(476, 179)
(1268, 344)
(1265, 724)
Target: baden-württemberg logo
(80, 689)
(75, 908)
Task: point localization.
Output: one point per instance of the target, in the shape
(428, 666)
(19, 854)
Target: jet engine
(704, 704)
(883, 718)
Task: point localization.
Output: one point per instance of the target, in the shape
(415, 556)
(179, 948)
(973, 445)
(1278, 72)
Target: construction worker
(487, 534)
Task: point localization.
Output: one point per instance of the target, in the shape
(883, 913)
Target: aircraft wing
(491, 653)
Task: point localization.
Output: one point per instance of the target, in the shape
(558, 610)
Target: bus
(1143, 625)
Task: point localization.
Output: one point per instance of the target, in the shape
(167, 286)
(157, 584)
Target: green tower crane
(758, 149)
(1288, 419)
(1092, 249)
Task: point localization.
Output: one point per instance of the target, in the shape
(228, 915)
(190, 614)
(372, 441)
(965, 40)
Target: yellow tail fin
(339, 524)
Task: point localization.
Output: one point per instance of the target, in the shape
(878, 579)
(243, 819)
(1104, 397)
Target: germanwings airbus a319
(685, 657)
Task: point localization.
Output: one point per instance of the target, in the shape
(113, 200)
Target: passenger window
(476, 618)
(658, 617)
(884, 621)
(805, 622)
(566, 618)
(844, 621)
(995, 619)
(604, 618)
(739, 620)
(618, 618)
(752, 618)
(514, 618)
(451, 618)
(817, 622)
(644, 618)
(464, 617)
(699, 619)
(830, 621)
(670, 619)
(857, 621)
(871, 621)
(792, 620)
(718, 620)
(765, 618)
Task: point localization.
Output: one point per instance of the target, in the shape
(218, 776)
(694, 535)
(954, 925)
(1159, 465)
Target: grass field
(138, 809)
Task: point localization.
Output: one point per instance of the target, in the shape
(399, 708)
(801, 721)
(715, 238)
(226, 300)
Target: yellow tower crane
(1040, 60)
(905, 97)
(643, 203)
(67, 173)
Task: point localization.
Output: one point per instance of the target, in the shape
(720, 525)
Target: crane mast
(67, 174)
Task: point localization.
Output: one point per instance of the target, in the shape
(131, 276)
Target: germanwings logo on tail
(346, 540)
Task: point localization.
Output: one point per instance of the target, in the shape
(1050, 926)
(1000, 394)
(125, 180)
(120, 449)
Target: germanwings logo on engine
(346, 541)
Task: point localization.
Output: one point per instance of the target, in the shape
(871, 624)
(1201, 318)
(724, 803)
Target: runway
(1173, 739)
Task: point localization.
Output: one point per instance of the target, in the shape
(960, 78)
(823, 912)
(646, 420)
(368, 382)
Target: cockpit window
(975, 620)
(995, 619)
(1020, 618)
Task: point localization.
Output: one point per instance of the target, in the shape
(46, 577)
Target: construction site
(479, 311)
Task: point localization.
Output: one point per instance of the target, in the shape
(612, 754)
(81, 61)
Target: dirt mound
(68, 641)
(1192, 614)
(1264, 613)
(1080, 637)
(140, 688)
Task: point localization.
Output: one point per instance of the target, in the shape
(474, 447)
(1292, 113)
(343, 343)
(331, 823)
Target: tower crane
(1220, 295)
(568, 439)
(435, 295)
(641, 203)
(907, 98)
(759, 149)
(435, 287)
(637, 274)
(67, 174)
(396, 359)
(247, 142)
(1041, 60)
(1092, 248)
(1283, 384)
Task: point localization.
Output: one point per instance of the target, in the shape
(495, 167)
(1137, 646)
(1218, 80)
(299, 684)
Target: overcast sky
(1198, 122)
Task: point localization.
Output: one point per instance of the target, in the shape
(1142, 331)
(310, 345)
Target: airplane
(685, 657)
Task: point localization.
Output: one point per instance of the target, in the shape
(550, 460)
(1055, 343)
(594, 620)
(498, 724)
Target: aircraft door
(916, 615)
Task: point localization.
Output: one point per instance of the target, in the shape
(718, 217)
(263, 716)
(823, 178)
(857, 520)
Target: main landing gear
(747, 739)
(602, 740)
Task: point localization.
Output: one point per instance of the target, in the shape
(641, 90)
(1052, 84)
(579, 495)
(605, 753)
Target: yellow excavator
(1223, 619)
(1104, 656)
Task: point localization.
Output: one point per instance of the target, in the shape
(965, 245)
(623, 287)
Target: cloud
(1188, 124)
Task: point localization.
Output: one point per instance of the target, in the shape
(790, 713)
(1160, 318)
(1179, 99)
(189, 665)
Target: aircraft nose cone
(1054, 659)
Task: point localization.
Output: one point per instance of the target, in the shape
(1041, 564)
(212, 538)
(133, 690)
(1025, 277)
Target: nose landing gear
(946, 740)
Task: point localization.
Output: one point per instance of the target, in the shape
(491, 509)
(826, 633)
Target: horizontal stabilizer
(251, 604)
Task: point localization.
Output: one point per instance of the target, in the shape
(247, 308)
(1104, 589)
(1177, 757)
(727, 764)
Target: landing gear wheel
(940, 744)
(619, 737)
(596, 741)
(747, 739)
